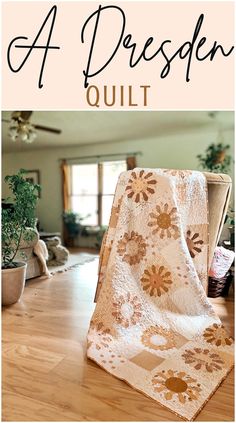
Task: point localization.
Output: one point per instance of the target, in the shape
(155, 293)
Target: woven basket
(219, 287)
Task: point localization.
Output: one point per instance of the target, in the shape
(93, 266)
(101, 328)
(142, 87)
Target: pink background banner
(136, 55)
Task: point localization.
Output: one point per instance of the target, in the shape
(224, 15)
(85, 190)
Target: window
(93, 188)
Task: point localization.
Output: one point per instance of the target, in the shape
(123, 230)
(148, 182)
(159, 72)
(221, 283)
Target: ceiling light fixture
(21, 130)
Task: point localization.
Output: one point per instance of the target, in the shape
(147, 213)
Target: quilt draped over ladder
(153, 325)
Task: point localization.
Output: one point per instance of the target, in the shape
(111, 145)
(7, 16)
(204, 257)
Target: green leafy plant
(73, 221)
(72, 217)
(17, 215)
(215, 158)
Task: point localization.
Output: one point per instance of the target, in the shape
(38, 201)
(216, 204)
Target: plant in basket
(216, 158)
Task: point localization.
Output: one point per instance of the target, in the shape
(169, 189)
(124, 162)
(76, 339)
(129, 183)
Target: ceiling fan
(21, 127)
(24, 117)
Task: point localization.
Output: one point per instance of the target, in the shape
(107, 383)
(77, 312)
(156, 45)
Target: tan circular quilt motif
(164, 222)
(158, 338)
(174, 384)
(217, 335)
(156, 280)
(141, 186)
(132, 248)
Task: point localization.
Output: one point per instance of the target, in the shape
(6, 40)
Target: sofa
(25, 253)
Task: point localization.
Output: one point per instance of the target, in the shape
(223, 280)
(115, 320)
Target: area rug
(153, 325)
(73, 261)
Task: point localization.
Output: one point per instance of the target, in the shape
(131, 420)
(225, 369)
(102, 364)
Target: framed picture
(33, 176)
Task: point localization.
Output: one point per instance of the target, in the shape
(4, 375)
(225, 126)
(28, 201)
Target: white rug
(75, 260)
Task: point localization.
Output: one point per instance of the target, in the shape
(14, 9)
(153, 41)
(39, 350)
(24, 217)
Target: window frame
(100, 194)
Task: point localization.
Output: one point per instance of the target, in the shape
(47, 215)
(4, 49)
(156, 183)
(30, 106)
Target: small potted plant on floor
(72, 222)
(18, 213)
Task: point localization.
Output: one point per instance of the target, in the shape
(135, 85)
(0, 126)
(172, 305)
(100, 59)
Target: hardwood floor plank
(76, 398)
(31, 357)
(221, 405)
(46, 375)
(21, 407)
(45, 342)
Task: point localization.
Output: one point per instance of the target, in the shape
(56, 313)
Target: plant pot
(13, 282)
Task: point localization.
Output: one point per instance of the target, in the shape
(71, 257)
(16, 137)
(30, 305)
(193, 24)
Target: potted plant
(215, 158)
(72, 222)
(18, 213)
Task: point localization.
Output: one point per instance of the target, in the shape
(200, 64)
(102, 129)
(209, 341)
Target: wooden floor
(46, 376)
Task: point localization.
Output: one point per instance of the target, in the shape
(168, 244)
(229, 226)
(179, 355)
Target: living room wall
(172, 151)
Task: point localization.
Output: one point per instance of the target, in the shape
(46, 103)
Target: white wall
(172, 151)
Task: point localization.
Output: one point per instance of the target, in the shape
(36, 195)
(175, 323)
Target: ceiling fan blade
(46, 128)
(25, 115)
